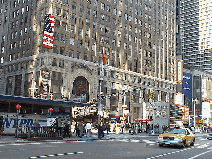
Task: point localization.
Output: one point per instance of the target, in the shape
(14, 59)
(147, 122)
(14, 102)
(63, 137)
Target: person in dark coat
(108, 128)
(66, 131)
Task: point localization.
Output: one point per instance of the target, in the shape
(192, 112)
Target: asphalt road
(130, 147)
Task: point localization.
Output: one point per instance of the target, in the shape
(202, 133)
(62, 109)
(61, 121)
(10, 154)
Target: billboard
(187, 89)
(179, 99)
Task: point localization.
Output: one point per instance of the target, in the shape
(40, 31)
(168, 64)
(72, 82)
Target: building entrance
(81, 88)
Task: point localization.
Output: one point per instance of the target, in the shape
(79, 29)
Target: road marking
(169, 153)
(79, 141)
(62, 154)
(17, 144)
(200, 154)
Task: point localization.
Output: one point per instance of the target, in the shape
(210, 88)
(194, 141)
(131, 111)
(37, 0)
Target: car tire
(184, 144)
(192, 144)
(160, 145)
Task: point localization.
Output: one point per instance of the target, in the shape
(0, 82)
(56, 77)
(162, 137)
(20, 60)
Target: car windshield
(175, 131)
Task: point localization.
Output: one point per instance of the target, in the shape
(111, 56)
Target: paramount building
(53, 49)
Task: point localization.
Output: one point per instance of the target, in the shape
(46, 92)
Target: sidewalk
(93, 136)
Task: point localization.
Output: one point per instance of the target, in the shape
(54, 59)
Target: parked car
(177, 136)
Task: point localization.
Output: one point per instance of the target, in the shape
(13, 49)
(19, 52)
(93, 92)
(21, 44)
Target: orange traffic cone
(1, 131)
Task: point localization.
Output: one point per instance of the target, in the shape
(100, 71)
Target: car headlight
(160, 138)
(177, 138)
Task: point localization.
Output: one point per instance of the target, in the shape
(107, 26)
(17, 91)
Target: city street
(113, 146)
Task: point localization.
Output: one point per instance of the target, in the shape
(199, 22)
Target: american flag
(48, 34)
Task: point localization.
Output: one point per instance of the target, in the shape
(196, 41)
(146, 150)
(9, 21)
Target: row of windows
(17, 2)
(20, 12)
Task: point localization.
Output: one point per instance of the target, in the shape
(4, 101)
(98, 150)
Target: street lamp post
(195, 101)
(18, 107)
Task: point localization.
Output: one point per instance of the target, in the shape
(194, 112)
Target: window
(86, 45)
(57, 23)
(27, 8)
(22, 11)
(114, 11)
(107, 30)
(102, 27)
(2, 49)
(119, 13)
(87, 22)
(102, 6)
(63, 38)
(72, 28)
(72, 41)
(65, 14)
(62, 50)
(64, 26)
(119, 44)
(74, 5)
(88, 11)
(108, 8)
(81, 8)
(94, 24)
(95, 13)
(95, 3)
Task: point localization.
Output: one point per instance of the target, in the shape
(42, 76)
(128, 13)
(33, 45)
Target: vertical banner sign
(179, 71)
(45, 83)
(187, 89)
(48, 34)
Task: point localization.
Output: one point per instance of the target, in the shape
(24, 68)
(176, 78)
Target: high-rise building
(196, 34)
(137, 39)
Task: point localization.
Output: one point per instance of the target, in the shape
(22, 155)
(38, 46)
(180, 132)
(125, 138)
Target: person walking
(107, 128)
(36, 127)
(1, 125)
(133, 129)
(136, 129)
(66, 130)
(80, 129)
(88, 129)
(76, 129)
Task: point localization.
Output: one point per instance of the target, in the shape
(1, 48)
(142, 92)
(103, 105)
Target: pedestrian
(36, 127)
(1, 125)
(136, 129)
(107, 127)
(66, 130)
(99, 127)
(127, 127)
(147, 128)
(133, 129)
(80, 129)
(88, 128)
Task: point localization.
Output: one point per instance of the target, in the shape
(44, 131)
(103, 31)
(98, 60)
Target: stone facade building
(137, 37)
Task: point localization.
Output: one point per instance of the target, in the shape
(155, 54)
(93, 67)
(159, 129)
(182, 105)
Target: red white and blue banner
(48, 35)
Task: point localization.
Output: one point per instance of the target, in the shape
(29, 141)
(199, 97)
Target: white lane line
(79, 141)
(169, 153)
(17, 144)
(35, 143)
(200, 154)
(149, 142)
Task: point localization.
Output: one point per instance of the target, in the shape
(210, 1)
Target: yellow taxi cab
(177, 136)
(209, 134)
